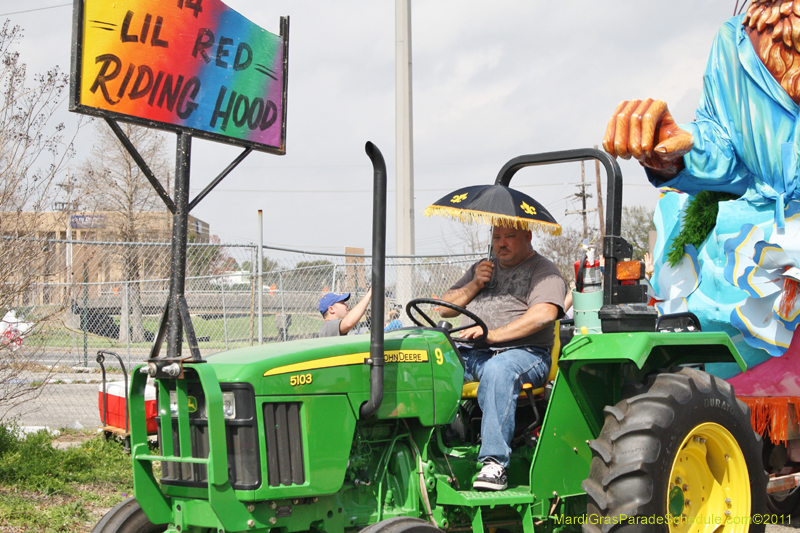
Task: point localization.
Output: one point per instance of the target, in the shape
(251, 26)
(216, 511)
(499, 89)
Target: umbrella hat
(495, 205)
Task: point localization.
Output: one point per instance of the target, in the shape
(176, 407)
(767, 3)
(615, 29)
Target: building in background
(68, 262)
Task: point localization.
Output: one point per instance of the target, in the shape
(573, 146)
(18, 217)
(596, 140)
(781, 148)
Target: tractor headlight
(229, 404)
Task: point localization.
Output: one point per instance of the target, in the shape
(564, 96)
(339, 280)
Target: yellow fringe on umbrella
(770, 415)
(493, 219)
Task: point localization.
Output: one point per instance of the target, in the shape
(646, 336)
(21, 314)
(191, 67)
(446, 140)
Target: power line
(369, 191)
(34, 9)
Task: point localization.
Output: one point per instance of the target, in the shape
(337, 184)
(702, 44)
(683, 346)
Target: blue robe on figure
(746, 142)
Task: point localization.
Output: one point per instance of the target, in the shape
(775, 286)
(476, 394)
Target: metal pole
(404, 146)
(224, 316)
(128, 318)
(283, 307)
(83, 315)
(260, 283)
(333, 278)
(599, 199)
(404, 132)
(253, 256)
(180, 223)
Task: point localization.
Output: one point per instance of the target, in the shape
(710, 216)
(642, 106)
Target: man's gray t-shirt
(535, 280)
(330, 328)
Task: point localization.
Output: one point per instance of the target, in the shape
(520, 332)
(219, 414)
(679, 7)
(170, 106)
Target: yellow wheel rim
(709, 488)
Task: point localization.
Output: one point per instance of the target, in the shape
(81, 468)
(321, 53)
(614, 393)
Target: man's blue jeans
(501, 375)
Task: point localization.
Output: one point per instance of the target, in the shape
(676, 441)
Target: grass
(49, 489)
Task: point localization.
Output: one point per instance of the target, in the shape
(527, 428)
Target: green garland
(699, 220)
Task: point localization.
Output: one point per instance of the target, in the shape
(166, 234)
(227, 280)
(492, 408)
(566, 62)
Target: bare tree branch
(33, 151)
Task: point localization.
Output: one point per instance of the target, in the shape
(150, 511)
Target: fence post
(283, 306)
(128, 319)
(260, 277)
(224, 315)
(83, 315)
(252, 293)
(333, 280)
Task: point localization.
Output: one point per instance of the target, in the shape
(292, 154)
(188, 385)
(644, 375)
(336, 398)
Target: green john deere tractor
(374, 434)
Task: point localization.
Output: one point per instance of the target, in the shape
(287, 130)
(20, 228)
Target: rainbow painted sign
(183, 65)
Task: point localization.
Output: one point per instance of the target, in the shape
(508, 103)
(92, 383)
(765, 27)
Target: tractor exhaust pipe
(376, 359)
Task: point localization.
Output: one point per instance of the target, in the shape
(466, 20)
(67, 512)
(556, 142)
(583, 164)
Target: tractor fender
(598, 367)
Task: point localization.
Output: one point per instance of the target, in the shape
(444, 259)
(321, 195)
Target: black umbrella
(495, 205)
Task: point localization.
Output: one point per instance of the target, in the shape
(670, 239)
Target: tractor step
(473, 498)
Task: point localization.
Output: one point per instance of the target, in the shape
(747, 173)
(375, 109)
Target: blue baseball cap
(331, 298)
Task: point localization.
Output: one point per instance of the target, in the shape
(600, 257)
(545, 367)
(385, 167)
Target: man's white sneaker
(491, 477)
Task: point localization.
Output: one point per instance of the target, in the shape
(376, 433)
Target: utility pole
(582, 195)
(404, 132)
(404, 135)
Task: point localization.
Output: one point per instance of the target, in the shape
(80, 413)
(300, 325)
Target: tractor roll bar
(376, 358)
(614, 246)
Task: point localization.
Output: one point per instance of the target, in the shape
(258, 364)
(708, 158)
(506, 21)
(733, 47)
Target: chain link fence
(110, 296)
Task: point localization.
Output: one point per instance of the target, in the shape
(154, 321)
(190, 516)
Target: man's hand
(473, 333)
(646, 131)
(483, 273)
(464, 295)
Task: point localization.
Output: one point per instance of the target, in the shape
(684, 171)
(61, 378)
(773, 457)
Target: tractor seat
(470, 390)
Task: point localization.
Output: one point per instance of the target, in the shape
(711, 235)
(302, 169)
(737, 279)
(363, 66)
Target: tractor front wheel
(127, 517)
(677, 455)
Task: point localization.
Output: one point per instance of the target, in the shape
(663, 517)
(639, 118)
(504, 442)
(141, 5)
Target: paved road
(68, 400)
(795, 525)
(68, 405)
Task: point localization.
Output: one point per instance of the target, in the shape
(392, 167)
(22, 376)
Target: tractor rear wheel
(127, 517)
(677, 455)
(402, 524)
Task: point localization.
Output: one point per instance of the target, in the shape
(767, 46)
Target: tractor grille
(244, 469)
(284, 444)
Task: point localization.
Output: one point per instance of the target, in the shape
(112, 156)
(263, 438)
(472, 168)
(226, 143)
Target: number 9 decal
(439, 356)
(300, 379)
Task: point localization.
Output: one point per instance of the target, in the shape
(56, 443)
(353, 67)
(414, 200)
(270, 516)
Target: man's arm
(464, 295)
(536, 318)
(351, 319)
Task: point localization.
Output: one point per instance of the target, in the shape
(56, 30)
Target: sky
(491, 81)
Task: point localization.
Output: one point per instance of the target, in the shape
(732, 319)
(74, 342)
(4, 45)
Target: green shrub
(32, 463)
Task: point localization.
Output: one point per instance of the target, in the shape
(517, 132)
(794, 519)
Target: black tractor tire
(787, 504)
(679, 445)
(127, 517)
(401, 524)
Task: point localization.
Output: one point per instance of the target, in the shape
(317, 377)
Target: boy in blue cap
(339, 318)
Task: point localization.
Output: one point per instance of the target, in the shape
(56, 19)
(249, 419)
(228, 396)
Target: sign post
(193, 67)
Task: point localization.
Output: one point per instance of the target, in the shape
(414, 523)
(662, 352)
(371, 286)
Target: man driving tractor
(519, 300)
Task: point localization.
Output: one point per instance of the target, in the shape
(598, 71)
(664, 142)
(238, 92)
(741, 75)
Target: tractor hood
(423, 374)
(335, 364)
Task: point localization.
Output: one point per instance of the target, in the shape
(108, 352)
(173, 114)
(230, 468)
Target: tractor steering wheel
(413, 305)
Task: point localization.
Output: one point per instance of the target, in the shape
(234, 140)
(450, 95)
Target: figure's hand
(473, 333)
(483, 273)
(646, 131)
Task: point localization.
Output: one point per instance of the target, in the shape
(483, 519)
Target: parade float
(728, 224)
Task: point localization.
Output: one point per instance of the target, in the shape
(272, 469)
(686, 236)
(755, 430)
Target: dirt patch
(73, 438)
(104, 497)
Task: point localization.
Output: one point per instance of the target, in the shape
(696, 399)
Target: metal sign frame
(176, 320)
